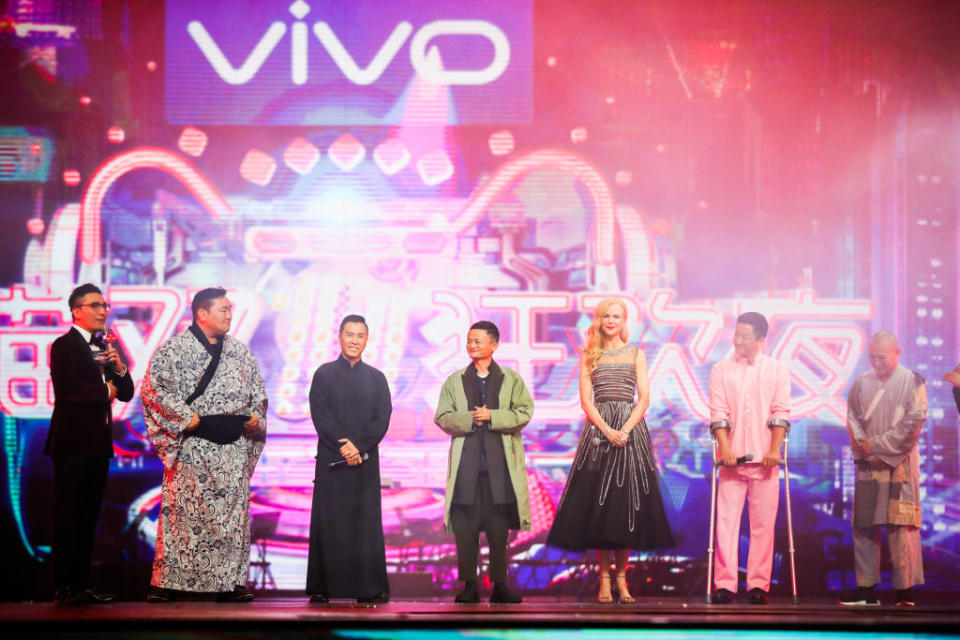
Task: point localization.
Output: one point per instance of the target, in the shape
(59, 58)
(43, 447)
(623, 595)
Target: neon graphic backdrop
(424, 224)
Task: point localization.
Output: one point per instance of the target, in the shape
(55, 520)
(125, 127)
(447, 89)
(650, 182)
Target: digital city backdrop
(430, 164)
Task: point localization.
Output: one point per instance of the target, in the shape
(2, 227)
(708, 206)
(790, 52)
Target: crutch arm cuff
(779, 422)
(719, 424)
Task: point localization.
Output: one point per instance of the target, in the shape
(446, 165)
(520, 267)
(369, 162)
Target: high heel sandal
(608, 597)
(622, 591)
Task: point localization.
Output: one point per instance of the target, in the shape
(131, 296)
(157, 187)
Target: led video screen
(428, 165)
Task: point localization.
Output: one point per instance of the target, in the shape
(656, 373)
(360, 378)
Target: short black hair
(77, 294)
(489, 327)
(755, 320)
(353, 317)
(204, 299)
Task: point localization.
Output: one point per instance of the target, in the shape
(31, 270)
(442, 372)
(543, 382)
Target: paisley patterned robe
(203, 533)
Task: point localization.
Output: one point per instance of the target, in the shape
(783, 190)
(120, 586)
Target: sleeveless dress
(612, 496)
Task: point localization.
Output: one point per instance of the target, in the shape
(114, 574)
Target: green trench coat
(453, 416)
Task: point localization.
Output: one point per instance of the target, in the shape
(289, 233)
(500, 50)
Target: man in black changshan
(350, 406)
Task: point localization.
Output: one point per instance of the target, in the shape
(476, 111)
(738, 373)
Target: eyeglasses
(96, 306)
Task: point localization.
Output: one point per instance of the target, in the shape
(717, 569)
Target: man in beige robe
(886, 409)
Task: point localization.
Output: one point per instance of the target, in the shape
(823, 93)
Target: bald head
(885, 338)
(884, 354)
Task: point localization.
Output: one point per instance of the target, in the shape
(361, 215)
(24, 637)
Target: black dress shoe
(469, 594)
(95, 597)
(159, 594)
(239, 594)
(68, 595)
(905, 598)
(502, 595)
(380, 598)
(860, 597)
(757, 596)
(721, 596)
(319, 598)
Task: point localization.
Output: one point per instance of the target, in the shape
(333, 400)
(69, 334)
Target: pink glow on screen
(628, 181)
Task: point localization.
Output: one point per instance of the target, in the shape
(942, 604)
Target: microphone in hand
(342, 461)
(741, 460)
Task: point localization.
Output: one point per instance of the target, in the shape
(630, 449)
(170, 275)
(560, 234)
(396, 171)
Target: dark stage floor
(292, 618)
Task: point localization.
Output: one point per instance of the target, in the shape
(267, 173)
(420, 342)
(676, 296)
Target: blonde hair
(593, 348)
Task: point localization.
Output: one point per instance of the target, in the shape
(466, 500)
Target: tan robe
(890, 416)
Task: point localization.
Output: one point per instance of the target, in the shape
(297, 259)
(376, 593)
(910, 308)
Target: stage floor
(295, 617)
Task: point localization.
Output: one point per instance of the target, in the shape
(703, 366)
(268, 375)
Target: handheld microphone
(740, 460)
(336, 463)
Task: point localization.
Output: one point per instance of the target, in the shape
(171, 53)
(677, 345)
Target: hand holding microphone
(737, 461)
(351, 455)
(348, 461)
(108, 354)
(725, 455)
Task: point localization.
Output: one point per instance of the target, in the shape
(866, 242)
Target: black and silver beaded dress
(612, 496)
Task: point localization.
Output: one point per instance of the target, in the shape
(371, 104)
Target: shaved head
(884, 354)
(884, 339)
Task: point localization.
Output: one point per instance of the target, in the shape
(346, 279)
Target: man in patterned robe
(886, 409)
(205, 409)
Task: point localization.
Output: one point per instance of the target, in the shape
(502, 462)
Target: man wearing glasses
(87, 376)
(886, 409)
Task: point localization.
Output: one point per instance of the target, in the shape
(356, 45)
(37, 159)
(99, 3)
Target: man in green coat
(483, 408)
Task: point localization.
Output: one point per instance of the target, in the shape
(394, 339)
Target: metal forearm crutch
(713, 504)
(715, 471)
(786, 484)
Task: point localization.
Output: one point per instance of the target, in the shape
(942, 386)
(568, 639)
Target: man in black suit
(80, 442)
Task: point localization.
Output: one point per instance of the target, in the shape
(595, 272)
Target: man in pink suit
(749, 417)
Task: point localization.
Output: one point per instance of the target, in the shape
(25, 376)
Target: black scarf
(483, 449)
(221, 429)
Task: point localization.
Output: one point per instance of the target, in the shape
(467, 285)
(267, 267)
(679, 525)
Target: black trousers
(468, 520)
(79, 482)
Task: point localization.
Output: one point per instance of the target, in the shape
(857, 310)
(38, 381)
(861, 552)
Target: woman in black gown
(611, 501)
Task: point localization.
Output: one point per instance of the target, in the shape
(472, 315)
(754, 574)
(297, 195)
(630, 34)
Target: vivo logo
(426, 62)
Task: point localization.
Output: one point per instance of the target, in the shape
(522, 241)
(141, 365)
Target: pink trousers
(761, 487)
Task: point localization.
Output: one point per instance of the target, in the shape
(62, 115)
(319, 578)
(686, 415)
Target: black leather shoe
(860, 597)
(66, 596)
(721, 596)
(469, 594)
(905, 598)
(239, 594)
(757, 596)
(96, 597)
(380, 598)
(503, 595)
(159, 594)
(319, 598)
